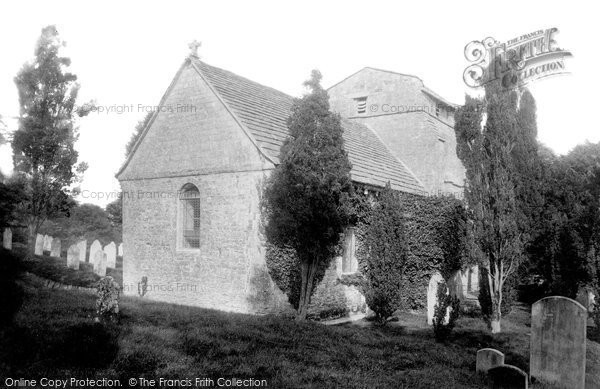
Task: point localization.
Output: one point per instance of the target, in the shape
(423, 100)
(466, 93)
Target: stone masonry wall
(405, 118)
(194, 139)
(227, 272)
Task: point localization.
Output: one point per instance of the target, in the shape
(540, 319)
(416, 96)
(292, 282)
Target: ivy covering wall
(436, 238)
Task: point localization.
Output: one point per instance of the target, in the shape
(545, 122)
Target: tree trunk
(302, 305)
(495, 288)
(496, 318)
(309, 270)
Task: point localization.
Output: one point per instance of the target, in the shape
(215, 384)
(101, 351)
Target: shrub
(384, 249)
(107, 303)
(447, 306)
(436, 240)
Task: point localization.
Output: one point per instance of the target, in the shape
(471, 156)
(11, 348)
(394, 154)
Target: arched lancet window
(189, 199)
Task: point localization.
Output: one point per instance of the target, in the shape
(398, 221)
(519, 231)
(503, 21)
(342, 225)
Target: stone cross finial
(194, 48)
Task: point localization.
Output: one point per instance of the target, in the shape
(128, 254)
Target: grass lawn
(54, 335)
(56, 269)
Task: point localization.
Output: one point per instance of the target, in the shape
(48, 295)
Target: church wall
(192, 133)
(202, 145)
(227, 272)
(406, 120)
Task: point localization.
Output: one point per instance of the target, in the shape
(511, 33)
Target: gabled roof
(264, 112)
(424, 89)
(377, 70)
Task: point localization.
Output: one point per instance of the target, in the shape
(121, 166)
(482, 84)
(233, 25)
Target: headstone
(432, 296)
(456, 285)
(558, 342)
(488, 358)
(39, 244)
(585, 297)
(7, 239)
(47, 243)
(111, 255)
(120, 250)
(73, 257)
(55, 249)
(470, 281)
(508, 377)
(94, 248)
(100, 263)
(82, 245)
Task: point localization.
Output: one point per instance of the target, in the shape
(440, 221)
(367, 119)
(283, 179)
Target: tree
(43, 145)
(11, 194)
(137, 132)
(305, 195)
(490, 192)
(565, 250)
(384, 245)
(528, 169)
(85, 221)
(114, 210)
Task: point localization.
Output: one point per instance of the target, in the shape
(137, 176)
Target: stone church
(192, 184)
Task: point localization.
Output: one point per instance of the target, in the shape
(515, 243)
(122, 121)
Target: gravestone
(55, 249)
(508, 377)
(456, 286)
(47, 243)
(470, 281)
(111, 255)
(73, 257)
(94, 248)
(7, 239)
(585, 297)
(120, 250)
(488, 358)
(99, 262)
(39, 244)
(82, 246)
(558, 342)
(432, 300)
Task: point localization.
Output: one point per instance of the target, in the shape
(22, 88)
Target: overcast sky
(127, 53)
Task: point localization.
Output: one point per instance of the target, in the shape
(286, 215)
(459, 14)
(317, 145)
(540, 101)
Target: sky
(126, 53)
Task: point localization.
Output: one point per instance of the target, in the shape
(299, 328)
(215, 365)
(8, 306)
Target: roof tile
(264, 112)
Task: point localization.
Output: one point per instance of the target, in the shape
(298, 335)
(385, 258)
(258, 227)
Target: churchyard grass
(55, 335)
(56, 269)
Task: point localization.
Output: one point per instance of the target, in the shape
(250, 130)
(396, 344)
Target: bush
(85, 345)
(11, 297)
(436, 240)
(447, 306)
(107, 303)
(384, 249)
